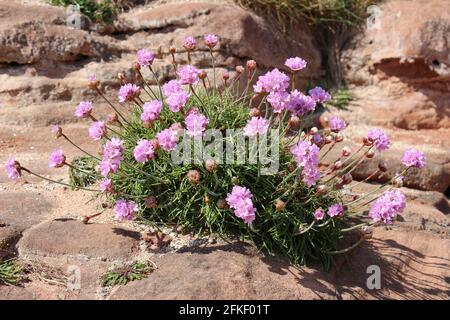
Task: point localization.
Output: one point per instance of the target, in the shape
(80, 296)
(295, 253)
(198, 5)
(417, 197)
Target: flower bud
(148, 124)
(347, 178)
(121, 76)
(313, 131)
(328, 139)
(172, 49)
(337, 165)
(150, 202)
(113, 117)
(321, 188)
(202, 75)
(226, 76)
(382, 166)
(367, 142)
(155, 144)
(254, 112)
(93, 84)
(239, 69)
(398, 181)
(339, 184)
(338, 137)
(57, 131)
(222, 204)
(211, 165)
(136, 66)
(370, 154)
(193, 176)
(293, 121)
(280, 205)
(346, 151)
(251, 65)
(235, 180)
(366, 232)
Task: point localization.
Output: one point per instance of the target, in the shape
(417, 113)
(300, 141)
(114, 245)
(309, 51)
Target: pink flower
(414, 158)
(188, 75)
(57, 159)
(279, 100)
(97, 130)
(167, 139)
(255, 126)
(335, 210)
(240, 199)
(106, 185)
(144, 151)
(300, 104)
(177, 100)
(319, 214)
(386, 207)
(83, 109)
(379, 138)
(310, 175)
(190, 43)
(107, 166)
(319, 95)
(195, 124)
(305, 154)
(125, 210)
(113, 149)
(12, 169)
(92, 77)
(274, 80)
(171, 87)
(295, 64)
(152, 111)
(211, 40)
(56, 131)
(145, 57)
(336, 124)
(128, 92)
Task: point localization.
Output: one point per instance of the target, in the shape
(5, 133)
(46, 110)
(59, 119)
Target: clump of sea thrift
(302, 210)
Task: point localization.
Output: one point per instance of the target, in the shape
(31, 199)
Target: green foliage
(10, 272)
(125, 274)
(97, 11)
(84, 173)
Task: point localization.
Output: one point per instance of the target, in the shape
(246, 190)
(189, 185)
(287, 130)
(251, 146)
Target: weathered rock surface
(63, 238)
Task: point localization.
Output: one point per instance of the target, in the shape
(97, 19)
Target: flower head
(336, 124)
(195, 124)
(170, 87)
(128, 92)
(106, 185)
(188, 75)
(305, 154)
(240, 199)
(190, 43)
(109, 165)
(255, 126)
(319, 214)
(300, 104)
(57, 159)
(310, 175)
(274, 80)
(113, 149)
(279, 100)
(386, 207)
(12, 168)
(97, 130)
(167, 139)
(335, 210)
(145, 57)
(125, 210)
(177, 100)
(83, 109)
(151, 111)
(379, 138)
(319, 94)
(414, 158)
(211, 40)
(144, 151)
(56, 131)
(295, 64)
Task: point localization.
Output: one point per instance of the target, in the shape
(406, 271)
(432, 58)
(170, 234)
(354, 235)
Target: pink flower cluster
(128, 92)
(211, 40)
(319, 95)
(57, 159)
(413, 158)
(167, 139)
(145, 57)
(12, 169)
(151, 111)
(335, 210)
(112, 156)
(300, 104)
(274, 80)
(106, 185)
(176, 97)
(97, 130)
(83, 109)
(144, 151)
(240, 200)
(188, 75)
(295, 64)
(125, 210)
(256, 126)
(195, 124)
(306, 155)
(190, 43)
(379, 139)
(336, 124)
(386, 207)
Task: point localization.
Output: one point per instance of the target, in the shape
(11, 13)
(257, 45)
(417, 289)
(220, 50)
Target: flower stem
(85, 152)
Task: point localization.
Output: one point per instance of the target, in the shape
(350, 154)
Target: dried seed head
(367, 142)
(366, 232)
(339, 184)
(121, 76)
(338, 137)
(150, 202)
(313, 131)
(222, 204)
(382, 166)
(155, 144)
(113, 117)
(202, 75)
(293, 121)
(347, 178)
(346, 151)
(254, 112)
(211, 165)
(93, 84)
(337, 165)
(328, 139)
(136, 66)
(226, 76)
(280, 205)
(370, 154)
(57, 131)
(148, 124)
(321, 188)
(193, 176)
(251, 65)
(172, 49)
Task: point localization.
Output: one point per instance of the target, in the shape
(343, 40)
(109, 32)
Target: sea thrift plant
(188, 151)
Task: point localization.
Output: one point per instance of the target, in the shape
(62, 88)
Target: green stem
(85, 152)
(57, 182)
